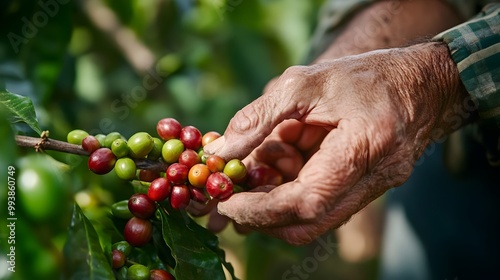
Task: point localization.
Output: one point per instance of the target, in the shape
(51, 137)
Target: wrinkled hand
(342, 133)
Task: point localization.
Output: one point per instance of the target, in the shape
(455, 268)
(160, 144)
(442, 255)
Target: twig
(45, 143)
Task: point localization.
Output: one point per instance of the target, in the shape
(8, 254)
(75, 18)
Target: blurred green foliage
(106, 66)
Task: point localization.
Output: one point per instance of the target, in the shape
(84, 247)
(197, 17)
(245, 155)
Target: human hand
(342, 132)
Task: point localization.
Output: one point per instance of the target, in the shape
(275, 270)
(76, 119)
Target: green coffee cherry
(120, 210)
(156, 151)
(125, 168)
(76, 136)
(140, 144)
(110, 138)
(120, 148)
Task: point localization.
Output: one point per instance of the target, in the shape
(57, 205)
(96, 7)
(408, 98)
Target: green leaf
(19, 109)
(83, 253)
(194, 248)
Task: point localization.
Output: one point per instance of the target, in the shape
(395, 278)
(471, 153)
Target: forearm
(388, 24)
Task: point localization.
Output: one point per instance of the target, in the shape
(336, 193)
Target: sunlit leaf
(19, 109)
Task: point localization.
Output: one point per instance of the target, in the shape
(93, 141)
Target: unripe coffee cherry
(125, 168)
(140, 144)
(171, 150)
(236, 170)
(138, 272)
(76, 136)
(120, 148)
(112, 136)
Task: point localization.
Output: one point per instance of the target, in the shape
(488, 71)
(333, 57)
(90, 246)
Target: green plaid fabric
(475, 48)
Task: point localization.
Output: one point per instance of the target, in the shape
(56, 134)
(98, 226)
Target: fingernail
(215, 146)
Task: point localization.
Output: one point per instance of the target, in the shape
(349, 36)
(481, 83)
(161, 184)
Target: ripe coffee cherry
(168, 128)
(160, 274)
(118, 258)
(76, 136)
(209, 137)
(125, 168)
(90, 144)
(147, 175)
(177, 173)
(236, 170)
(122, 246)
(138, 272)
(180, 196)
(198, 175)
(198, 194)
(101, 161)
(112, 136)
(219, 185)
(159, 189)
(171, 150)
(120, 148)
(215, 163)
(140, 144)
(189, 158)
(141, 206)
(191, 137)
(138, 231)
(156, 151)
(263, 175)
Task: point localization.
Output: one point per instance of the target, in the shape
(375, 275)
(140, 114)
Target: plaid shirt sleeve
(475, 48)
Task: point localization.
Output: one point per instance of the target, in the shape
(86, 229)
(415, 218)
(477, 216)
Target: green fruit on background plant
(76, 136)
(140, 144)
(125, 168)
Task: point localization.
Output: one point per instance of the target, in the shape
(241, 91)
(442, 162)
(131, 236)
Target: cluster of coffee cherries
(138, 231)
(188, 175)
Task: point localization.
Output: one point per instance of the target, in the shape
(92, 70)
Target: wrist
(438, 102)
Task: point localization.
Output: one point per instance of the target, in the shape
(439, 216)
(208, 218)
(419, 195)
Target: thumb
(249, 126)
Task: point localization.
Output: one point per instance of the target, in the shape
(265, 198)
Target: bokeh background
(108, 65)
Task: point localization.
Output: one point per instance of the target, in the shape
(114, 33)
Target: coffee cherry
(159, 189)
(189, 158)
(100, 138)
(138, 272)
(120, 148)
(215, 163)
(263, 175)
(122, 246)
(140, 144)
(156, 151)
(198, 194)
(101, 161)
(219, 185)
(138, 231)
(160, 274)
(171, 150)
(191, 137)
(76, 136)
(112, 136)
(209, 137)
(177, 173)
(120, 210)
(236, 170)
(168, 128)
(118, 258)
(125, 168)
(147, 175)
(180, 196)
(90, 144)
(141, 206)
(198, 175)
